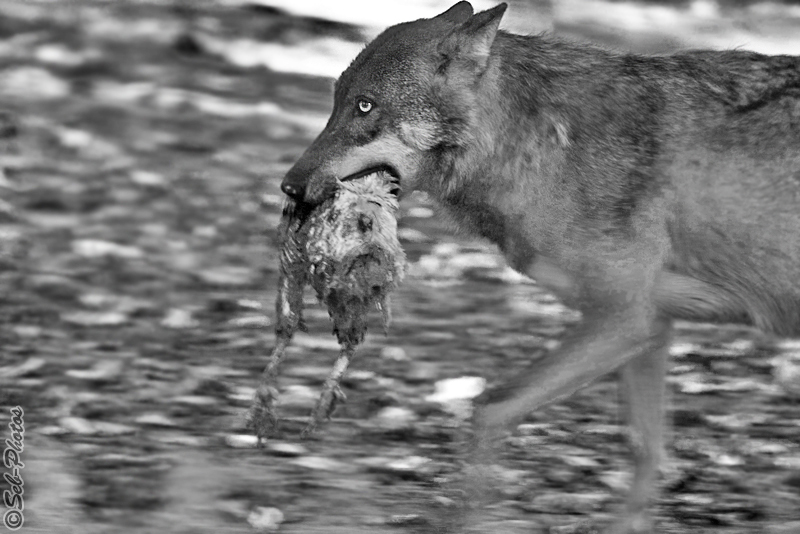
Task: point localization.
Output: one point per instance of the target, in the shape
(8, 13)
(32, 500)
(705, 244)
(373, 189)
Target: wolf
(637, 189)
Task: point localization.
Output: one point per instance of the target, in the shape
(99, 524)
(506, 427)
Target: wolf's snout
(294, 183)
(295, 191)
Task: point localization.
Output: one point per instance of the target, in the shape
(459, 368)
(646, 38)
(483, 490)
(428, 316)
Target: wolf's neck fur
(516, 141)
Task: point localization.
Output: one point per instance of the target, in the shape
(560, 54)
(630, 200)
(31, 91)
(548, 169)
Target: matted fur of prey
(347, 250)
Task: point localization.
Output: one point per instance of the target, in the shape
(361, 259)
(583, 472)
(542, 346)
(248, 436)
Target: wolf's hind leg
(643, 383)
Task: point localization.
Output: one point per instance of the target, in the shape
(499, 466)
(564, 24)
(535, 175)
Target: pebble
(758, 447)
(183, 440)
(52, 430)
(788, 462)
(87, 318)
(525, 305)
(617, 480)
(243, 394)
(728, 460)
(31, 365)
(102, 371)
(397, 354)
(147, 178)
(299, 396)
(455, 395)
(422, 371)
(786, 369)
(307, 341)
(677, 350)
(241, 441)
(27, 330)
(409, 463)
(451, 389)
(234, 507)
(788, 345)
(96, 248)
(446, 502)
(361, 375)
(735, 421)
(582, 462)
(79, 425)
(155, 419)
(321, 463)
(411, 235)
(251, 321)
(195, 400)
(265, 519)
(395, 418)
(179, 318)
(59, 54)
(742, 346)
(249, 304)
(696, 499)
(32, 83)
(697, 383)
(229, 276)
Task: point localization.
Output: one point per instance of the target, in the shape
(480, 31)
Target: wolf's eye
(364, 106)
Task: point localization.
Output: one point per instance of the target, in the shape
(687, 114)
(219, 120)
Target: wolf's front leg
(602, 344)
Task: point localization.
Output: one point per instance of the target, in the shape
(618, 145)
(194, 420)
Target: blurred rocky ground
(141, 150)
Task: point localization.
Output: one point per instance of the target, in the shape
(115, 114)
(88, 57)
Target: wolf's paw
(262, 417)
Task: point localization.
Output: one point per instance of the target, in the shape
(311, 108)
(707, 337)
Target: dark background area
(141, 149)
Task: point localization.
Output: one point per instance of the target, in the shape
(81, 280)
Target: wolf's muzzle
(295, 191)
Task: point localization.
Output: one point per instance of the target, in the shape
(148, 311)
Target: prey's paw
(262, 417)
(326, 405)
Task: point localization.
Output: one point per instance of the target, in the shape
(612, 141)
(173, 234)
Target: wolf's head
(407, 97)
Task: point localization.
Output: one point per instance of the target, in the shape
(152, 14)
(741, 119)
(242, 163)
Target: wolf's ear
(459, 13)
(473, 39)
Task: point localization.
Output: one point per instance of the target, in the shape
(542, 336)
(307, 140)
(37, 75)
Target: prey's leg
(262, 417)
(331, 392)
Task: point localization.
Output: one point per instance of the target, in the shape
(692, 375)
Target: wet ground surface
(141, 161)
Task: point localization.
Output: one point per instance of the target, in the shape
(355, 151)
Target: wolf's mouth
(388, 169)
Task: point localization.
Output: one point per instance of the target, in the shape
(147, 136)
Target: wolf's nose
(294, 191)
